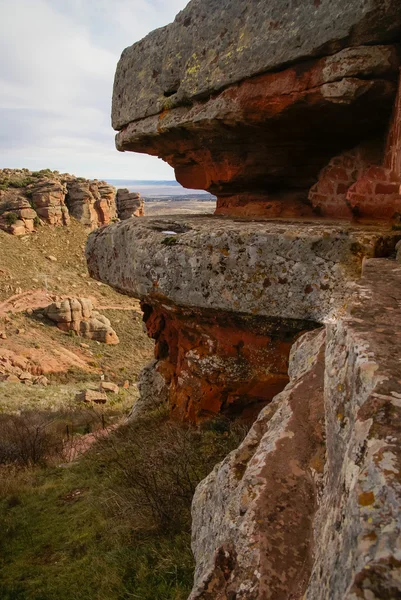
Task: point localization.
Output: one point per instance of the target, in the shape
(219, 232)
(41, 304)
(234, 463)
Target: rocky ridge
(30, 199)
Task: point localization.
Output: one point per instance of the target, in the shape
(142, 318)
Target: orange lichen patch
(217, 362)
(366, 498)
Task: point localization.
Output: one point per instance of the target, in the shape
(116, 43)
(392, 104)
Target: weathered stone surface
(109, 386)
(90, 202)
(270, 521)
(213, 362)
(253, 515)
(153, 390)
(214, 43)
(77, 315)
(129, 204)
(48, 197)
(358, 524)
(275, 269)
(48, 201)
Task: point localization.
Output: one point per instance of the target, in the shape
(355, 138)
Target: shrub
(11, 218)
(114, 525)
(20, 182)
(157, 465)
(28, 440)
(37, 222)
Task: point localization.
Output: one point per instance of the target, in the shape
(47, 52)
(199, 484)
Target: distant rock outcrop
(77, 315)
(129, 204)
(91, 202)
(29, 199)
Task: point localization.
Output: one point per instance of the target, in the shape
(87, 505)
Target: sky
(57, 65)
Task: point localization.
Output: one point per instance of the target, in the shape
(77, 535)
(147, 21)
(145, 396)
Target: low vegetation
(114, 525)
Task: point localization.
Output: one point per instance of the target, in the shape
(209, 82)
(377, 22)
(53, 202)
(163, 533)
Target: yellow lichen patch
(366, 498)
(317, 463)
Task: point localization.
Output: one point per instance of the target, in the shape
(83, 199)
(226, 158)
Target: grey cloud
(57, 62)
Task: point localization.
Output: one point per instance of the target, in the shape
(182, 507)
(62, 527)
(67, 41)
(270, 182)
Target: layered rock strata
(225, 299)
(250, 101)
(78, 316)
(283, 111)
(129, 204)
(28, 199)
(91, 202)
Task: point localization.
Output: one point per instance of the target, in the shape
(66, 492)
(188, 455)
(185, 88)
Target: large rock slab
(273, 268)
(283, 516)
(253, 515)
(213, 44)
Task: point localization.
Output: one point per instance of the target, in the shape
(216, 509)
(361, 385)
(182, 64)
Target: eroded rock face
(91, 202)
(275, 269)
(48, 199)
(309, 504)
(225, 299)
(29, 199)
(214, 362)
(250, 101)
(358, 525)
(77, 315)
(129, 204)
(253, 515)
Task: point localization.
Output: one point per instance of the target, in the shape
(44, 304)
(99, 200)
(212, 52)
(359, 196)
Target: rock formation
(91, 202)
(251, 101)
(129, 204)
(28, 199)
(283, 112)
(77, 315)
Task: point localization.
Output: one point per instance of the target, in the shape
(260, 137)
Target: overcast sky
(57, 65)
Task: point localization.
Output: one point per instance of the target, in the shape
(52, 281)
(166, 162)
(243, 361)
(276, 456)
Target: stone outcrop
(308, 506)
(129, 204)
(253, 515)
(284, 304)
(250, 101)
(91, 202)
(225, 299)
(77, 315)
(48, 199)
(29, 199)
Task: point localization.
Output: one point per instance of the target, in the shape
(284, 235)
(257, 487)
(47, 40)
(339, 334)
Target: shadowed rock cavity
(214, 362)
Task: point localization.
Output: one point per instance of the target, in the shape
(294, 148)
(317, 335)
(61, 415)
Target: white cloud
(57, 64)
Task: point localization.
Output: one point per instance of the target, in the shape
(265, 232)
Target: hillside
(37, 269)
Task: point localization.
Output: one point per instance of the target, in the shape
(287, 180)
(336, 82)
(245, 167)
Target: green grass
(116, 539)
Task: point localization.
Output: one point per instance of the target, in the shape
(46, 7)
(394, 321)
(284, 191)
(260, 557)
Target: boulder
(109, 386)
(92, 397)
(129, 204)
(77, 315)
